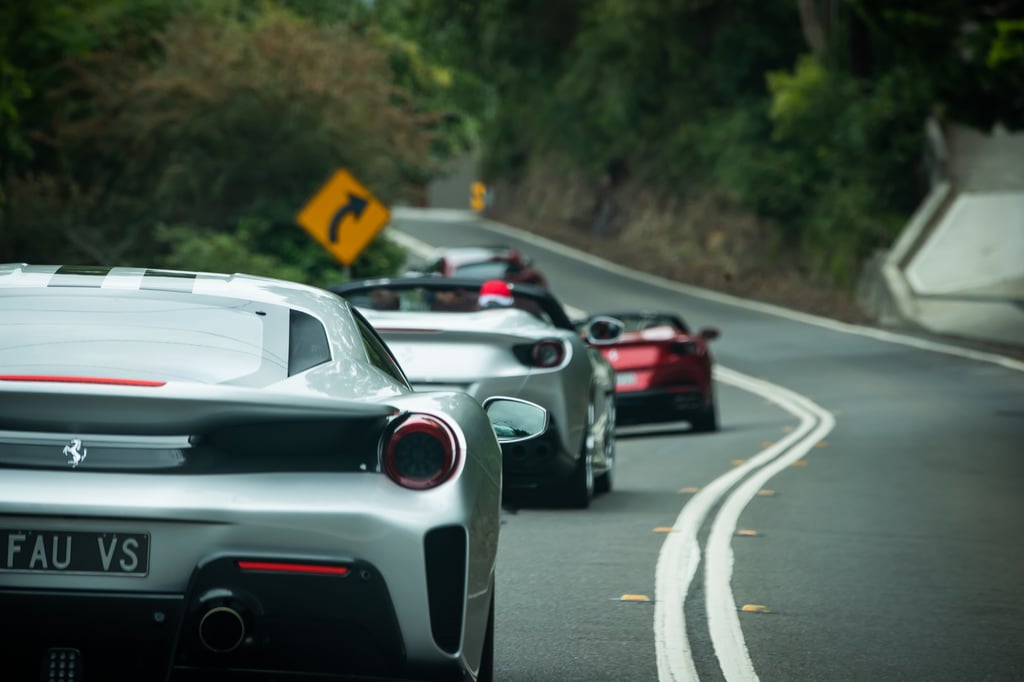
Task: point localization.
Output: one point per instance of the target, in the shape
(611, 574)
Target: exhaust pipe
(222, 630)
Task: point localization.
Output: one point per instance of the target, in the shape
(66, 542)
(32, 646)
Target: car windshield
(487, 270)
(152, 336)
(638, 323)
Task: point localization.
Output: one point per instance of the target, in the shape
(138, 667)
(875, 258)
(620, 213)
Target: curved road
(858, 517)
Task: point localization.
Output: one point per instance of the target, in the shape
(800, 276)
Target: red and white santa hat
(495, 293)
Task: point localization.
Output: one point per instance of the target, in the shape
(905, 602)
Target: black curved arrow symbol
(356, 205)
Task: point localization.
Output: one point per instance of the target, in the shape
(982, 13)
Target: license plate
(625, 378)
(58, 551)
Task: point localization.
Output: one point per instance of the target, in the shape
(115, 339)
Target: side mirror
(602, 330)
(709, 333)
(515, 420)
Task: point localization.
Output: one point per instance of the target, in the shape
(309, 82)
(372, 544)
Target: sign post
(344, 217)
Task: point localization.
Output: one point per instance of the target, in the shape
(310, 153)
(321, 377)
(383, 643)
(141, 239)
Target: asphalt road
(858, 517)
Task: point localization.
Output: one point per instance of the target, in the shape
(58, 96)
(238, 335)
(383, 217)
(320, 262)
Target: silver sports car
(208, 476)
(443, 339)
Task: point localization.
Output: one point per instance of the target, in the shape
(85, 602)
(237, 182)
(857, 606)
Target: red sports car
(663, 370)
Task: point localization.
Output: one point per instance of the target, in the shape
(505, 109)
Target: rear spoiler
(171, 408)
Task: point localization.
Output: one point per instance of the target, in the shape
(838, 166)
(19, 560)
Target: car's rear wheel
(486, 673)
(707, 419)
(604, 482)
(580, 488)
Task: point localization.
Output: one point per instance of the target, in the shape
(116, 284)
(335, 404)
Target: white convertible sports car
(531, 350)
(219, 477)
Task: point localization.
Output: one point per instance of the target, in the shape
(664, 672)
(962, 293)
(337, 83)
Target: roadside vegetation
(189, 134)
(731, 143)
(725, 139)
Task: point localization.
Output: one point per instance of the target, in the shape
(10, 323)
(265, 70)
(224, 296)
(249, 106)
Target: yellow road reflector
(738, 462)
(800, 463)
(634, 597)
(689, 490)
(755, 608)
(822, 444)
(746, 532)
(787, 429)
(764, 492)
(767, 443)
(663, 529)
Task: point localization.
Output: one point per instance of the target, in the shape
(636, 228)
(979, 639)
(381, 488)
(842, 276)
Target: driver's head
(495, 293)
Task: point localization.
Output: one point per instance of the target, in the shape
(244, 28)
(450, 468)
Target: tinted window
(307, 343)
(378, 352)
(436, 266)
(490, 270)
(636, 323)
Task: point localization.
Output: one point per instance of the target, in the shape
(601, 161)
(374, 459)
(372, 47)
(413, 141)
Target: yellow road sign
(478, 196)
(343, 216)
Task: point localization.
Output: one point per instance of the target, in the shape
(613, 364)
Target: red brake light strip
(285, 567)
(80, 380)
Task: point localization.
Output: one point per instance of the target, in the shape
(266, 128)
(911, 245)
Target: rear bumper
(193, 522)
(658, 405)
(233, 622)
(119, 636)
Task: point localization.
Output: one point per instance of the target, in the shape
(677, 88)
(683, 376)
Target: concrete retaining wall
(978, 242)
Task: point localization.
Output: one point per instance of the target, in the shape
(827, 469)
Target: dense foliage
(808, 113)
(189, 132)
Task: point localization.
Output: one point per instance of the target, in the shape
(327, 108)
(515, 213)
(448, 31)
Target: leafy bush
(854, 148)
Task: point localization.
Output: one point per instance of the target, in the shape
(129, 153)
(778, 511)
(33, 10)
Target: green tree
(220, 121)
(971, 53)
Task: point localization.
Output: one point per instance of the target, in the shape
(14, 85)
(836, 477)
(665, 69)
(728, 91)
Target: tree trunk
(812, 25)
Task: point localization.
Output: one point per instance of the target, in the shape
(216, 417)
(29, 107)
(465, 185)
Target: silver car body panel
(191, 519)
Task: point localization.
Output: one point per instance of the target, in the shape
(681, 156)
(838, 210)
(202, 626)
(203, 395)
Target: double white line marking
(680, 555)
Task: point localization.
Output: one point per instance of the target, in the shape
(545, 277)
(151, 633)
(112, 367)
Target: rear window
(155, 335)
(489, 270)
(641, 322)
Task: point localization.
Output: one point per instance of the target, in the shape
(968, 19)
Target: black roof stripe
(80, 276)
(166, 280)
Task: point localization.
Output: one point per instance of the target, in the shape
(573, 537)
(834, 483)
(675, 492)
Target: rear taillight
(545, 353)
(684, 348)
(420, 452)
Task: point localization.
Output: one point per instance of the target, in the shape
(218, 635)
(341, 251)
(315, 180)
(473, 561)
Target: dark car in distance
(485, 262)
